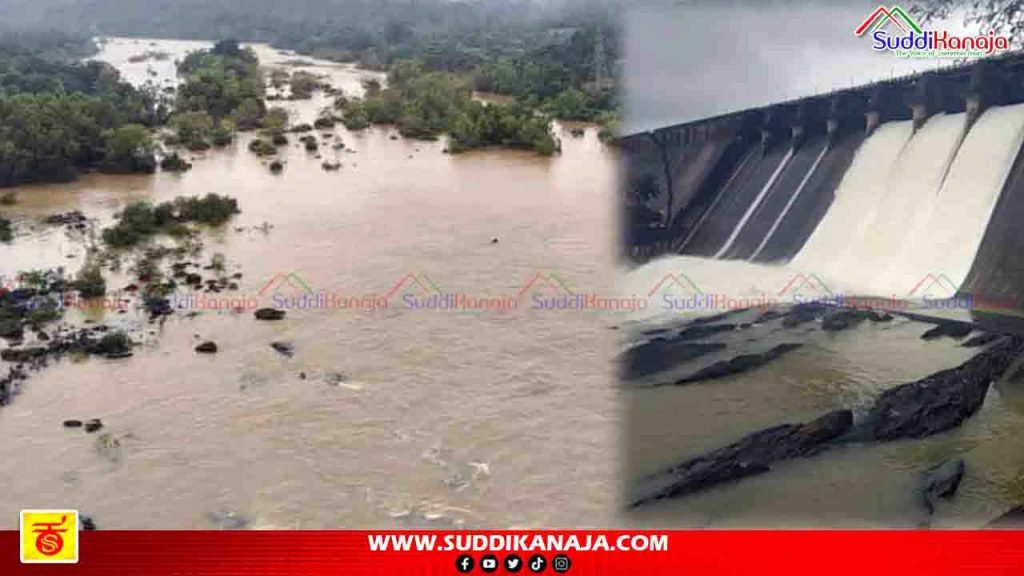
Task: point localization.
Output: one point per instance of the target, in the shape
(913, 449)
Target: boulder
(659, 355)
(951, 328)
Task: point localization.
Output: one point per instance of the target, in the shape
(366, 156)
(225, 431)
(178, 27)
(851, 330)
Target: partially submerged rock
(269, 314)
(207, 348)
(284, 348)
(743, 363)
(951, 328)
(940, 401)
(753, 454)
(942, 482)
(660, 354)
(1012, 519)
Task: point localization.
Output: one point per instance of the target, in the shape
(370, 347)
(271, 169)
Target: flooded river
(382, 417)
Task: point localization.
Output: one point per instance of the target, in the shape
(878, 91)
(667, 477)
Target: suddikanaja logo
(894, 30)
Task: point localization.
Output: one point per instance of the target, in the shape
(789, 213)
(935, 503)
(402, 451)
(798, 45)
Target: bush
(261, 147)
(90, 282)
(140, 220)
(174, 163)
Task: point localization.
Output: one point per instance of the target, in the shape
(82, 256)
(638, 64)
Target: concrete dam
(876, 186)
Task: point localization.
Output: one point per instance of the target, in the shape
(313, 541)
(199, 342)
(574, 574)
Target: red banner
(836, 553)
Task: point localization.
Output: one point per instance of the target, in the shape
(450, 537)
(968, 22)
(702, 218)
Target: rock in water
(942, 482)
(1013, 519)
(950, 328)
(284, 348)
(72, 423)
(207, 348)
(941, 401)
(982, 340)
(752, 455)
(93, 425)
(661, 354)
(738, 364)
(269, 314)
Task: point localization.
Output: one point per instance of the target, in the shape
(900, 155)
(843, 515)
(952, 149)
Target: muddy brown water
(405, 417)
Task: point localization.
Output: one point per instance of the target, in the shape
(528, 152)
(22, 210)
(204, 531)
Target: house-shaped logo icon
(882, 16)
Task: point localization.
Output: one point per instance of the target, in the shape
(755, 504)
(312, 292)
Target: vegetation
(6, 233)
(142, 220)
(424, 104)
(530, 50)
(222, 91)
(90, 282)
(59, 116)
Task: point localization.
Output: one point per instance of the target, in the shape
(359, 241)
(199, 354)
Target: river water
(859, 485)
(387, 417)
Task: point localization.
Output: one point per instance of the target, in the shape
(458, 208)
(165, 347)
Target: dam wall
(914, 175)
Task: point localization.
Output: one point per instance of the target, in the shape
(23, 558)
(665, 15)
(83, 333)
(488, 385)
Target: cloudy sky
(698, 59)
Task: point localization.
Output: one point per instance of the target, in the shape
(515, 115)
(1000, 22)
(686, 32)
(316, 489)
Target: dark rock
(66, 218)
(93, 425)
(285, 348)
(942, 482)
(804, 313)
(207, 348)
(980, 340)
(951, 328)
(743, 363)
(753, 454)
(702, 331)
(72, 423)
(193, 279)
(494, 240)
(942, 400)
(158, 307)
(269, 314)
(660, 355)
(841, 319)
(20, 355)
(1012, 519)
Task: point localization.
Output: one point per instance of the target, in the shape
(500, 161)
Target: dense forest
(59, 115)
(562, 55)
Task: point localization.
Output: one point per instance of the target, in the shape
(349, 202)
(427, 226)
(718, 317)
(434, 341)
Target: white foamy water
(857, 197)
(910, 195)
(947, 241)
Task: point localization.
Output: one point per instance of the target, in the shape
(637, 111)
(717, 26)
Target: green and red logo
(895, 31)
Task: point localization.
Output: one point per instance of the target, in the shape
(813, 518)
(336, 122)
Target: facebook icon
(464, 564)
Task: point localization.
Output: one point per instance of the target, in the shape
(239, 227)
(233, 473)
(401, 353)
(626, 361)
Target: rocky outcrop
(743, 363)
(941, 401)
(754, 454)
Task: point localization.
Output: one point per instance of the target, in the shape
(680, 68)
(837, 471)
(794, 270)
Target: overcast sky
(700, 59)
